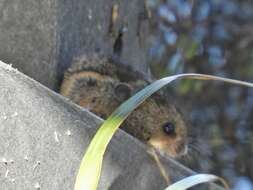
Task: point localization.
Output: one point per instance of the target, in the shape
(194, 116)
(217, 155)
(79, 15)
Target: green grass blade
(196, 180)
(90, 168)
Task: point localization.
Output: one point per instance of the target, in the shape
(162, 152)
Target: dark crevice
(118, 44)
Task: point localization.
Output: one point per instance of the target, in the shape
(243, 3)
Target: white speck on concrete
(56, 137)
(68, 132)
(4, 160)
(4, 117)
(6, 173)
(15, 114)
(37, 186)
(36, 165)
(12, 180)
(26, 158)
(8, 67)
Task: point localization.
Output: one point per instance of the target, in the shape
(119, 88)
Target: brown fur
(91, 82)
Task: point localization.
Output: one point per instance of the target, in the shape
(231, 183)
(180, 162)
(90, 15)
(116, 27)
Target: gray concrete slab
(43, 137)
(28, 37)
(40, 38)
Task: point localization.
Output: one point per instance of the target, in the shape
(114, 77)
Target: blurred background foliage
(211, 37)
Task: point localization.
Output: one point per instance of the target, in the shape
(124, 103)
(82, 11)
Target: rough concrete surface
(43, 138)
(40, 38)
(28, 37)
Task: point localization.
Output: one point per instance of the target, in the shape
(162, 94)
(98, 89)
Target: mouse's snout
(169, 147)
(181, 148)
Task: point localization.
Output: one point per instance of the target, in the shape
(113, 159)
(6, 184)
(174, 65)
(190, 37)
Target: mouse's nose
(181, 148)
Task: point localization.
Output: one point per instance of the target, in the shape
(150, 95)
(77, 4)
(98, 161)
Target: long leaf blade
(195, 180)
(90, 168)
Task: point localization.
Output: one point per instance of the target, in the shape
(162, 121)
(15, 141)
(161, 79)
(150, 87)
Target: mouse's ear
(122, 91)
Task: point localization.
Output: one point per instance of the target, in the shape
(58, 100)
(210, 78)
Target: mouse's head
(170, 137)
(156, 122)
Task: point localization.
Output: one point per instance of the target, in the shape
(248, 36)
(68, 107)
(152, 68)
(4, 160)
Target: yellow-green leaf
(90, 168)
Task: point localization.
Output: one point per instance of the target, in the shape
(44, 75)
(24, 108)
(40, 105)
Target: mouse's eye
(169, 128)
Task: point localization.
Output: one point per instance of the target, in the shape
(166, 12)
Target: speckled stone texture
(43, 138)
(28, 37)
(40, 38)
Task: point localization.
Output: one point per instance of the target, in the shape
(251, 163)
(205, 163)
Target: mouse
(100, 85)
